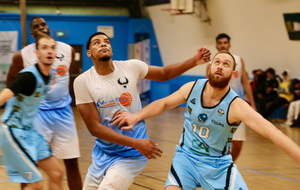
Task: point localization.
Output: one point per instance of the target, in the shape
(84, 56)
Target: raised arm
(262, 126)
(156, 108)
(15, 67)
(174, 70)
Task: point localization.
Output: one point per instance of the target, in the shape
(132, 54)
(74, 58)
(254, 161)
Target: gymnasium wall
(257, 29)
(79, 27)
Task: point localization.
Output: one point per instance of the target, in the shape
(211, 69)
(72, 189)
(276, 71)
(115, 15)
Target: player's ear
(88, 53)
(235, 74)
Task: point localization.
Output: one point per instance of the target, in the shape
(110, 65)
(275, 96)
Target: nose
(41, 27)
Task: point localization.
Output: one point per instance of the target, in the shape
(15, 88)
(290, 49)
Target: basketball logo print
(125, 99)
(61, 70)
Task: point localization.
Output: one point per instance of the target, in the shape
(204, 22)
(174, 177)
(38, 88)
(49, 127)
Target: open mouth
(218, 74)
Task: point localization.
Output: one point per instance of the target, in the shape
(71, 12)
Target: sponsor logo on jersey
(193, 101)
(123, 81)
(217, 123)
(125, 100)
(61, 70)
(221, 112)
(202, 118)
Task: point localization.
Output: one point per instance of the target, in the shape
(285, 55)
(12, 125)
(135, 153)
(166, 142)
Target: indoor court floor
(262, 165)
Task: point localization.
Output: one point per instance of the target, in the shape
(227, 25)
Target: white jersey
(58, 96)
(113, 92)
(236, 83)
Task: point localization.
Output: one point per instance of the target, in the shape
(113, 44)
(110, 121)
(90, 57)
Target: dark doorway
(75, 70)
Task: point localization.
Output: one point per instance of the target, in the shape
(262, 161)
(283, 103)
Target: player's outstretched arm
(241, 111)
(156, 108)
(174, 70)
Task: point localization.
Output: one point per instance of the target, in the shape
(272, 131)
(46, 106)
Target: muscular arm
(174, 70)
(156, 108)
(262, 126)
(91, 118)
(15, 68)
(247, 86)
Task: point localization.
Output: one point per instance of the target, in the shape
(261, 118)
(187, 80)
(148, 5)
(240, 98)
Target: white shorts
(240, 133)
(59, 129)
(119, 176)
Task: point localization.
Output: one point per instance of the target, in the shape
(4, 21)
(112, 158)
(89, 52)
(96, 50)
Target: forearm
(175, 70)
(5, 95)
(286, 144)
(154, 109)
(105, 133)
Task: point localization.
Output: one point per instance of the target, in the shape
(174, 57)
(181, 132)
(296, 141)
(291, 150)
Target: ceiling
(134, 6)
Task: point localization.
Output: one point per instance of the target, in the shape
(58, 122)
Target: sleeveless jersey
(113, 92)
(206, 129)
(21, 109)
(236, 83)
(58, 96)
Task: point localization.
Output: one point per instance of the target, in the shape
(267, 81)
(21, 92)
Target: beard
(104, 58)
(218, 82)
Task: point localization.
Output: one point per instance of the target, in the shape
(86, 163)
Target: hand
(202, 56)
(122, 117)
(148, 148)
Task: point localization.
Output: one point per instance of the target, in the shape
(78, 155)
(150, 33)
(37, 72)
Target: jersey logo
(123, 82)
(61, 56)
(61, 70)
(193, 101)
(202, 118)
(189, 109)
(221, 112)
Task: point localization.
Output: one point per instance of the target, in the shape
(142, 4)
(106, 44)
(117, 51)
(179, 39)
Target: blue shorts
(59, 129)
(191, 171)
(22, 149)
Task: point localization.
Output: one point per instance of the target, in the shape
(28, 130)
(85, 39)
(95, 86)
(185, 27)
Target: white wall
(256, 27)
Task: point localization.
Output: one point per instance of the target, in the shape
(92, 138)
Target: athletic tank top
(21, 109)
(236, 83)
(206, 129)
(58, 95)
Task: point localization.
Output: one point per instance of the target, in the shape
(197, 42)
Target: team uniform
(110, 93)
(21, 144)
(203, 157)
(236, 85)
(55, 120)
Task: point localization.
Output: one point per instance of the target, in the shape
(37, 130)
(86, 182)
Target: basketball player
(213, 112)
(118, 156)
(24, 149)
(241, 86)
(55, 120)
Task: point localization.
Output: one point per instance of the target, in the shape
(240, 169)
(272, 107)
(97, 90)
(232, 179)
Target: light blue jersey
(21, 144)
(21, 109)
(206, 129)
(202, 158)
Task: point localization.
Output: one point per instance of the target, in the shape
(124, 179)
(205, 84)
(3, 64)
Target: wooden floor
(261, 163)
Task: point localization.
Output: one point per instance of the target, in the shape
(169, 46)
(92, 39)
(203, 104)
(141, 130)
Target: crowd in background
(272, 91)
